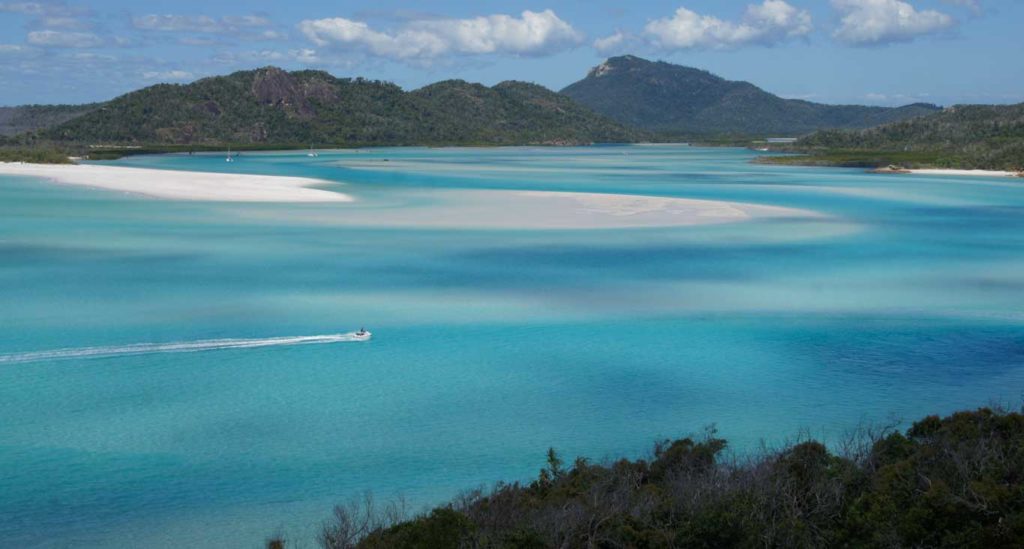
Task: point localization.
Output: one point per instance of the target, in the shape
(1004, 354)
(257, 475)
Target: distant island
(626, 99)
(976, 137)
(944, 482)
(270, 108)
(687, 104)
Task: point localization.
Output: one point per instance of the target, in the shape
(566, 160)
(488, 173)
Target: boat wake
(175, 347)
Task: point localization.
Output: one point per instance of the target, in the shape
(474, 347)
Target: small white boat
(229, 158)
(312, 153)
(362, 335)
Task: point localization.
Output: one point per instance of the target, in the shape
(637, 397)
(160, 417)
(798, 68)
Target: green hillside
(945, 482)
(270, 106)
(683, 101)
(964, 136)
(26, 118)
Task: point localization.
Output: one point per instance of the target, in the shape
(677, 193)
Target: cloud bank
(876, 22)
(532, 33)
(769, 23)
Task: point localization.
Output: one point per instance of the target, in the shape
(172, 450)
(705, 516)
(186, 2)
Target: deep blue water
(905, 299)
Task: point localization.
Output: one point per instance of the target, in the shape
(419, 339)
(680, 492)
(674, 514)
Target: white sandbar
(981, 173)
(179, 185)
(506, 209)
(495, 209)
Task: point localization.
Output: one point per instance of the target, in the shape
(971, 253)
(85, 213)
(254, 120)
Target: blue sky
(882, 52)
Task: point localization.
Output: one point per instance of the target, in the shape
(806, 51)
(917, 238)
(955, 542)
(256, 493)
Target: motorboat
(362, 335)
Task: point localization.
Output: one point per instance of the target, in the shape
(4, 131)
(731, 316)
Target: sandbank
(432, 208)
(980, 173)
(535, 210)
(180, 185)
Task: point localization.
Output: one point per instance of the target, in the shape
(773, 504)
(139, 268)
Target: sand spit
(179, 185)
(484, 209)
(938, 171)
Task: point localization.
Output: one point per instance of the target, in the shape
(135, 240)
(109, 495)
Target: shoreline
(180, 185)
(448, 208)
(897, 170)
(810, 161)
(971, 173)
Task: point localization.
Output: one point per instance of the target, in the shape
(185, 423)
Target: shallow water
(904, 299)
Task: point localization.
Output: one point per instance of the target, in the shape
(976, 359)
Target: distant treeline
(956, 481)
(15, 120)
(34, 155)
(270, 107)
(966, 137)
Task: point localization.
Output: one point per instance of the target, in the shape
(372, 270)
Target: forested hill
(964, 136)
(945, 482)
(26, 118)
(684, 101)
(272, 106)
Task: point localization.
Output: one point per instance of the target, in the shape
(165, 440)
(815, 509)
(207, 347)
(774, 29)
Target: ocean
(179, 373)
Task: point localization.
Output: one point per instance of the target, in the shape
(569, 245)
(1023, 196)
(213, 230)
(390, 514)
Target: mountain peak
(680, 100)
(614, 63)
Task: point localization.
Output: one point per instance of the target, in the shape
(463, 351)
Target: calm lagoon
(904, 297)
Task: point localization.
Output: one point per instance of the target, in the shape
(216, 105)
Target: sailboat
(229, 158)
(312, 153)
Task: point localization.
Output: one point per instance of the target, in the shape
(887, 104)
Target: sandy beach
(178, 185)
(493, 209)
(979, 173)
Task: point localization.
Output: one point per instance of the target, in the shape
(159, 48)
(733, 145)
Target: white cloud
(15, 50)
(168, 76)
(246, 21)
(198, 23)
(55, 8)
(768, 23)
(63, 22)
(610, 43)
(26, 8)
(533, 33)
(872, 22)
(88, 56)
(197, 41)
(61, 39)
(305, 55)
(273, 35)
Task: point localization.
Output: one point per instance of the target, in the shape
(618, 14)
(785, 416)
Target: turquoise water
(904, 299)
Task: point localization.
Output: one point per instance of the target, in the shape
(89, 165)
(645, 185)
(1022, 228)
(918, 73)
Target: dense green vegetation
(685, 103)
(26, 118)
(271, 107)
(965, 136)
(37, 155)
(945, 482)
(844, 158)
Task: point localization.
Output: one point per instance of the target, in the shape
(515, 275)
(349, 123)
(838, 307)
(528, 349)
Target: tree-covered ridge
(964, 136)
(956, 481)
(684, 101)
(26, 118)
(272, 106)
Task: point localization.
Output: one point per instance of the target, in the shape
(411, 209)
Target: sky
(877, 52)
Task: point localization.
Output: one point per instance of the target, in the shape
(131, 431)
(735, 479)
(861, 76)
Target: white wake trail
(173, 347)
